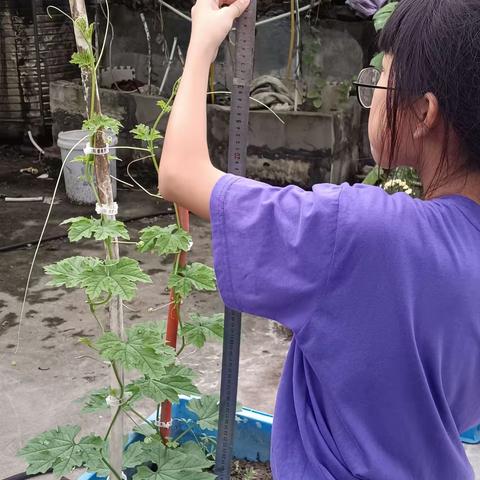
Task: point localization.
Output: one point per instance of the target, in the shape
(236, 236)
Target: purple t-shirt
(382, 293)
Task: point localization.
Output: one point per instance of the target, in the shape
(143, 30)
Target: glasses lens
(368, 76)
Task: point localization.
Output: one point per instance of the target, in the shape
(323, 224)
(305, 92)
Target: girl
(382, 292)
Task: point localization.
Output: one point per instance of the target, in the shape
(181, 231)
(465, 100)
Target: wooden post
(105, 193)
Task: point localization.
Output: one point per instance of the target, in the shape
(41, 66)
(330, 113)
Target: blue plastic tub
(251, 441)
(471, 436)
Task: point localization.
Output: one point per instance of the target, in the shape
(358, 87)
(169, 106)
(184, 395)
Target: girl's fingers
(235, 8)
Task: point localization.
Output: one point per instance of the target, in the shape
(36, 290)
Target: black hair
(435, 45)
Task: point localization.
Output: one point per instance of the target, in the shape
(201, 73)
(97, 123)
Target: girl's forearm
(185, 149)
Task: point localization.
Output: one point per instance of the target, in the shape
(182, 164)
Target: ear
(427, 113)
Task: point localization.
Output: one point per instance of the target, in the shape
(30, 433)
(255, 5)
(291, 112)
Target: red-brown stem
(172, 325)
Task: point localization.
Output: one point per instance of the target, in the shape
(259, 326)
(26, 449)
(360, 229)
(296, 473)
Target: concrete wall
(307, 149)
(333, 50)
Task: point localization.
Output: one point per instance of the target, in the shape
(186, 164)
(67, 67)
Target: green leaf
(114, 277)
(206, 410)
(143, 350)
(101, 122)
(96, 401)
(145, 429)
(71, 271)
(382, 16)
(377, 61)
(85, 28)
(83, 59)
(195, 276)
(199, 329)
(145, 133)
(373, 176)
(83, 227)
(135, 455)
(164, 106)
(172, 464)
(164, 240)
(93, 449)
(176, 381)
(144, 473)
(58, 450)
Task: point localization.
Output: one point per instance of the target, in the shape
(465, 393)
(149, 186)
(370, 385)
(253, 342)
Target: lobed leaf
(175, 381)
(164, 106)
(199, 329)
(164, 240)
(96, 400)
(70, 271)
(84, 59)
(101, 122)
(146, 133)
(207, 410)
(196, 276)
(114, 277)
(100, 229)
(144, 350)
(172, 464)
(58, 450)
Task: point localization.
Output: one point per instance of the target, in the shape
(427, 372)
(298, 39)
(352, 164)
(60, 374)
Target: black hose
(16, 246)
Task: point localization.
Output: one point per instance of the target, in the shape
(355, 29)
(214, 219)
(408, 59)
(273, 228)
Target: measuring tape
(237, 154)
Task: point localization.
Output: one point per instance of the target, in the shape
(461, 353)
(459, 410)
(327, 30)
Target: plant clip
(112, 401)
(161, 424)
(111, 209)
(89, 150)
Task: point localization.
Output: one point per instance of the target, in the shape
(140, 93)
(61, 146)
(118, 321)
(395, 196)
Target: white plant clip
(112, 401)
(161, 424)
(110, 210)
(89, 150)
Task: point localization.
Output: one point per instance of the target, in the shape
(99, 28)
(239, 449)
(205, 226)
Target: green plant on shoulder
(401, 179)
(157, 374)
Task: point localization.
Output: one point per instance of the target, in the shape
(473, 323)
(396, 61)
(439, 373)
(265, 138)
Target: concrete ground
(41, 382)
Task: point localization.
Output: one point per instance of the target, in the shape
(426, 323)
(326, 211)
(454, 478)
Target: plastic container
(252, 434)
(78, 190)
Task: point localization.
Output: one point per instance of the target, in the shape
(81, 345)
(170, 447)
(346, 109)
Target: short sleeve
(273, 246)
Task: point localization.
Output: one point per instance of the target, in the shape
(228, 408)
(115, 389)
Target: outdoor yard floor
(51, 370)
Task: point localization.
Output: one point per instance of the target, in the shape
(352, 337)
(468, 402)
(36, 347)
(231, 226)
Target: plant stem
(112, 470)
(92, 311)
(139, 415)
(110, 426)
(189, 429)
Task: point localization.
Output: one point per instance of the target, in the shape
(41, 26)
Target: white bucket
(78, 190)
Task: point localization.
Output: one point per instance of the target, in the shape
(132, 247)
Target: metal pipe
(170, 61)
(261, 22)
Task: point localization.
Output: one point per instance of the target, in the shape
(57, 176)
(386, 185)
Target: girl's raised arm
(186, 174)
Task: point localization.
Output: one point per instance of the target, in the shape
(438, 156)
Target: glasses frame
(365, 85)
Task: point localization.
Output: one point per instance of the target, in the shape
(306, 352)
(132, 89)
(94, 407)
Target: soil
(242, 470)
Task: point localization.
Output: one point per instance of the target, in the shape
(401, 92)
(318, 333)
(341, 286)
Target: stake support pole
(237, 155)
(105, 194)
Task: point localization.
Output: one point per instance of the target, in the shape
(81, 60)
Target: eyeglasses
(366, 84)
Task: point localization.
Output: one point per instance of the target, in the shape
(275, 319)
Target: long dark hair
(435, 46)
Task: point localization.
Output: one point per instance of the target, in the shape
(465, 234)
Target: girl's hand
(212, 20)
